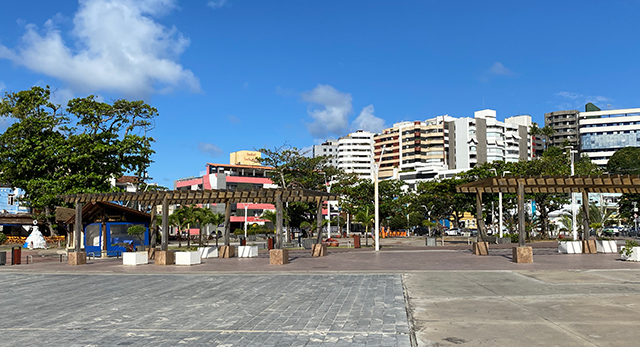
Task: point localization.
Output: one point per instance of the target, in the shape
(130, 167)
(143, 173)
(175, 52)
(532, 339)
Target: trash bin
(309, 242)
(431, 241)
(16, 254)
(356, 241)
(3, 258)
(270, 243)
(243, 241)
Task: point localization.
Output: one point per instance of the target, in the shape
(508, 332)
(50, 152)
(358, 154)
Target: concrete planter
(247, 251)
(635, 255)
(504, 240)
(431, 241)
(606, 246)
(570, 247)
(135, 258)
(208, 252)
(188, 258)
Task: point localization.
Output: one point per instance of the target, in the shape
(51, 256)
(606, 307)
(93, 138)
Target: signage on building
(244, 158)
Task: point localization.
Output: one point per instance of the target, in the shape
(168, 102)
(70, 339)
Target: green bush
(3, 238)
(515, 238)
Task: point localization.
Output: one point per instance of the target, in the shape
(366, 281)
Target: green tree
(48, 151)
(366, 219)
(625, 161)
(138, 231)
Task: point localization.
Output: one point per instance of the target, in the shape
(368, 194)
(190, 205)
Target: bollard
(16, 254)
(356, 241)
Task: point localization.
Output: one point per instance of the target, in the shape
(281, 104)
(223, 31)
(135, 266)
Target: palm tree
(181, 218)
(366, 219)
(204, 217)
(271, 216)
(216, 220)
(547, 131)
(599, 217)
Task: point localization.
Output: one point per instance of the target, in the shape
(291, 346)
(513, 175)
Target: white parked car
(452, 232)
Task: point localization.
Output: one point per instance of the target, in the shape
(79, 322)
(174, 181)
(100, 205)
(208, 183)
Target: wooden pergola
(227, 197)
(549, 184)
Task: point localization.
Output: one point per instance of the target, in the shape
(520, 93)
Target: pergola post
(153, 228)
(165, 224)
(279, 220)
(77, 236)
(521, 228)
(227, 222)
(588, 246)
(585, 220)
(164, 256)
(479, 220)
(319, 250)
(103, 228)
(521, 254)
(77, 257)
(319, 221)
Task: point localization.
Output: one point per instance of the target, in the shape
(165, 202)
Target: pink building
(232, 177)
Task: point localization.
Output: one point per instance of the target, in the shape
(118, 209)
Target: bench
(94, 255)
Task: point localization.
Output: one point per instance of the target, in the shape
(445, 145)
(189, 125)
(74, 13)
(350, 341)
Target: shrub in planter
(630, 251)
(3, 238)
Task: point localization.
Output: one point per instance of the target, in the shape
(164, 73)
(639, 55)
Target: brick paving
(220, 310)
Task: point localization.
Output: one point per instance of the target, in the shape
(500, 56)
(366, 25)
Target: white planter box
(635, 255)
(135, 258)
(606, 246)
(247, 251)
(208, 252)
(569, 247)
(187, 258)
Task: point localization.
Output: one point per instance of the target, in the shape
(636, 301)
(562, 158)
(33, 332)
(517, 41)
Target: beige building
(411, 145)
(244, 158)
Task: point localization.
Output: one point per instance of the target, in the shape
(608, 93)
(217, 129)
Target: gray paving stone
(229, 310)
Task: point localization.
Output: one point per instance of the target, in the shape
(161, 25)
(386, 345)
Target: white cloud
(568, 95)
(117, 46)
(330, 109)
(209, 148)
(572, 100)
(499, 69)
(368, 121)
(216, 4)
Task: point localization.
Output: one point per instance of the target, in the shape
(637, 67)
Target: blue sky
(228, 75)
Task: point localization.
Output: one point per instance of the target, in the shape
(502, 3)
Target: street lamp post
(574, 225)
(500, 223)
(376, 207)
(245, 220)
(635, 216)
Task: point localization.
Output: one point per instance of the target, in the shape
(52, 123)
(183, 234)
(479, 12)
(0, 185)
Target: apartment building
(565, 126)
(411, 146)
(355, 153)
(602, 133)
(328, 148)
(483, 139)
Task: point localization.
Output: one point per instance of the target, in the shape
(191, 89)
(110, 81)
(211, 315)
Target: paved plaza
(404, 295)
(218, 310)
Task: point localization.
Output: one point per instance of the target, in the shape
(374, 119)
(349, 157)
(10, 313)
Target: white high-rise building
(602, 133)
(328, 148)
(355, 153)
(483, 139)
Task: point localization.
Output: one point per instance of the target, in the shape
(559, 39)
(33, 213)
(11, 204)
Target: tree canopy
(48, 151)
(625, 161)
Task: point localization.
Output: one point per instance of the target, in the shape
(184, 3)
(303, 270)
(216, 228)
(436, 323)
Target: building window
(11, 199)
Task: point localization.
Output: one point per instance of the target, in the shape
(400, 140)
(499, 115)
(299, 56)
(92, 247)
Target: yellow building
(244, 158)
